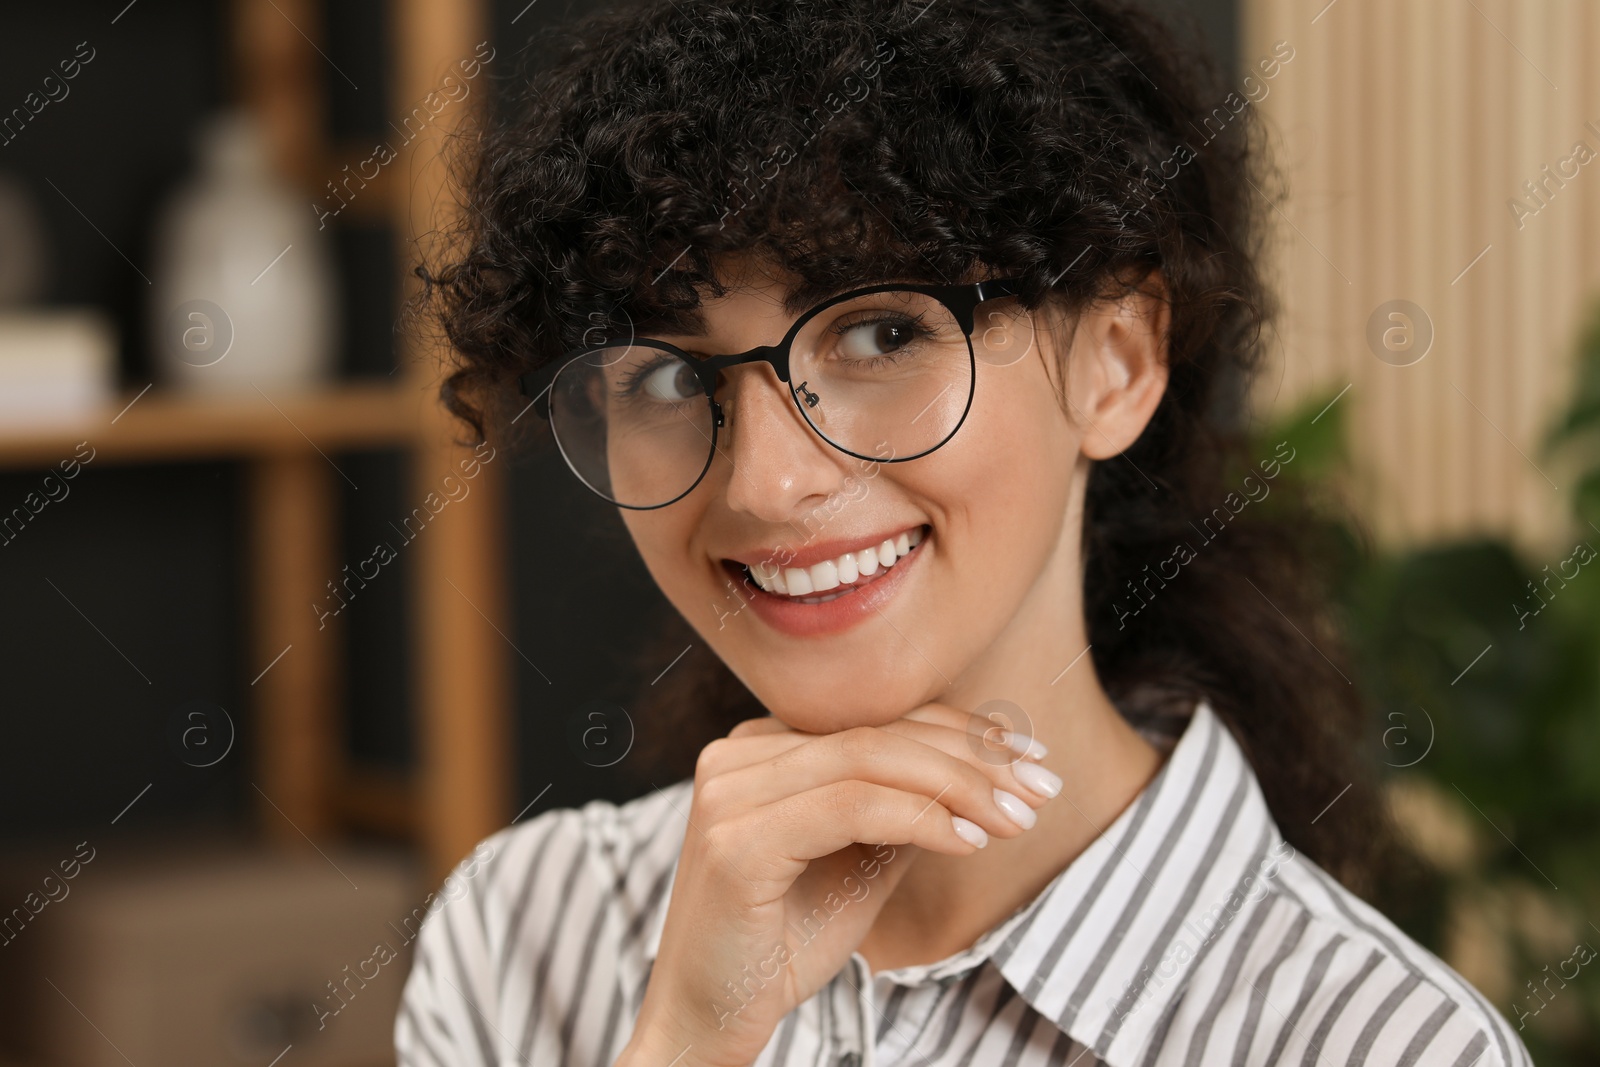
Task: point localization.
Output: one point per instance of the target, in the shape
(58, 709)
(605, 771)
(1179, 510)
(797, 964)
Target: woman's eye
(672, 382)
(872, 339)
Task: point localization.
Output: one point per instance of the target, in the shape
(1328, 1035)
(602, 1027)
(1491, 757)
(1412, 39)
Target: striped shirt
(1189, 932)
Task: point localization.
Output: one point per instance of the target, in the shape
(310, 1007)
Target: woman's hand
(795, 840)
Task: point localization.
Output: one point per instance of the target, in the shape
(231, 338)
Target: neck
(945, 903)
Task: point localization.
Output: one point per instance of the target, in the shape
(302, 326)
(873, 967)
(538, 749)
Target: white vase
(243, 288)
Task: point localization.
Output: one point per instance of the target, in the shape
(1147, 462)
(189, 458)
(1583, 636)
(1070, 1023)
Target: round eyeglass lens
(633, 422)
(886, 375)
(883, 376)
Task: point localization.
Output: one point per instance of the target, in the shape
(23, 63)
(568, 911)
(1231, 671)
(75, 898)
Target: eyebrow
(692, 323)
(686, 324)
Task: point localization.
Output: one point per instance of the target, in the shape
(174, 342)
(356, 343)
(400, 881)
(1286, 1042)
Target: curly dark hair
(1073, 143)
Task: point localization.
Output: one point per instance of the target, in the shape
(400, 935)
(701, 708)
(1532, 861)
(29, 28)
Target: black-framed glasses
(883, 373)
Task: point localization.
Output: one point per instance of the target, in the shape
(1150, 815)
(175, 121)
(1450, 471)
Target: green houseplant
(1482, 668)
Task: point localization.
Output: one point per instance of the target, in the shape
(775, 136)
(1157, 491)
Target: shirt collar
(1109, 944)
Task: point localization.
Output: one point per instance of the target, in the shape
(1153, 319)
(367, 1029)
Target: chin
(839, 702)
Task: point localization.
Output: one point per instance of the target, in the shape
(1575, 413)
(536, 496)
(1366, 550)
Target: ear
(1118, 368)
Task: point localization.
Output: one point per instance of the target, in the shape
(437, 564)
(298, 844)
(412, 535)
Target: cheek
(1011, 463)
(674, 553)
(1004, 488)
(664, 542)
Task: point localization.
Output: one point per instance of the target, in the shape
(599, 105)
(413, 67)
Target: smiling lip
(815, 553)
(847, 608)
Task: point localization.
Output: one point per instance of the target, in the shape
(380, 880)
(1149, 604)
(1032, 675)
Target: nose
(780, 466)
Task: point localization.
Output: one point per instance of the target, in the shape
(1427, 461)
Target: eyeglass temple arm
(963, 300)
(994, 288)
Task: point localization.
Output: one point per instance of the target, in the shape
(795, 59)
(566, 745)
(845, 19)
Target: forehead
(747, 275)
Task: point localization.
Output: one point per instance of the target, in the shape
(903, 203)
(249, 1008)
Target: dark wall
(1215, 23)
(123, 601)
(119, 599)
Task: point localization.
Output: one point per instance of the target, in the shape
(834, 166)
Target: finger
(1034, 783)
(997, 728)
(726, 754)
(819, 822)
(761, 724)
(880, 756)
(950, 729)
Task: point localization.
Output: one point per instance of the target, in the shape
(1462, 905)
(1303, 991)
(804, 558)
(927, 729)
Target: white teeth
(848, 571)
(798, 580)
(834, 573)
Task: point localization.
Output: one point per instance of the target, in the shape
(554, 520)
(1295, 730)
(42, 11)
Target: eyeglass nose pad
(716, 411)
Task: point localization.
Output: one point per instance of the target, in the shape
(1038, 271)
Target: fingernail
(969, 831)
(1029, 747)
(1040, 779)
(1015, 807)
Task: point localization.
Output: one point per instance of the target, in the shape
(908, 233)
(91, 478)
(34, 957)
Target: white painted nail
(1016, 808)
(1030, 747)
(1039, 779)
(969, 831)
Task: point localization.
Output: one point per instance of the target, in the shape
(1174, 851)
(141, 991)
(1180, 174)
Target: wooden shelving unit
(459, 663)
(158, 426)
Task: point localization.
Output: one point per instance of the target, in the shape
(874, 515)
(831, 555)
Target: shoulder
(579, 862)
(516, 920)
(1348, 986)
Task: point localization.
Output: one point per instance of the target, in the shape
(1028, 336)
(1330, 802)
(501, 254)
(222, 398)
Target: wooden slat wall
(1403, 128)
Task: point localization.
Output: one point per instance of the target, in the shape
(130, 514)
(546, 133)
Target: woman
(902, 336)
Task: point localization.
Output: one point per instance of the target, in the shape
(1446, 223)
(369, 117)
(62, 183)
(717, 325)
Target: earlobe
(1123, 371)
